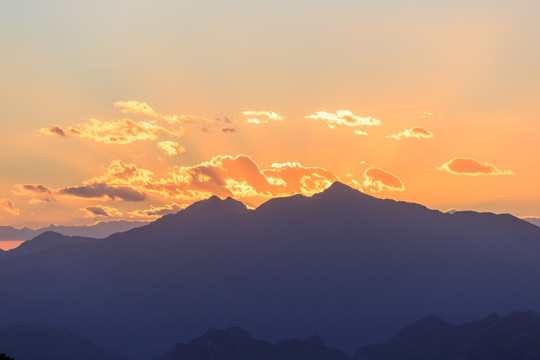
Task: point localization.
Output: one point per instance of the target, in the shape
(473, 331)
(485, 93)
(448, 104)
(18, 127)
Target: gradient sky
(133, 109)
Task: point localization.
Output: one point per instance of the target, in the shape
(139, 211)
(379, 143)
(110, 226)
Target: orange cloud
(122, 131)
(33, 189)
(414, 132)
(468, 166)
(99, 210)
(120, 173)
(9, 207)
(345, 118)
(240, 177)
(171, 148)
(261, 117)
(156, 211)
(143, 109)
(377, 180)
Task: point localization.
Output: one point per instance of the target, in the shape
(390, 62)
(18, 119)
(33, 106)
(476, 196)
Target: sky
(134, 109)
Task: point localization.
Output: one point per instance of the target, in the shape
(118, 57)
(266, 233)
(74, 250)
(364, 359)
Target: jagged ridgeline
(341, 264)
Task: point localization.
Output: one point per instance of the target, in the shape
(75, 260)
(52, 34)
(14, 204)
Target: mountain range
(347, 266)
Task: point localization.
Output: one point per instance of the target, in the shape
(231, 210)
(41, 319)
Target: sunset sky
(134, 109)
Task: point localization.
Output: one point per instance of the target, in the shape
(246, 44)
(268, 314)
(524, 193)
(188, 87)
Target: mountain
(42, 242)
(237, 344)
(99, 230)
(41, 343)
(347, 266)
(513, 337)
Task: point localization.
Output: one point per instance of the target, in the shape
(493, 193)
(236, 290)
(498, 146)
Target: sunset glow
(133, 110)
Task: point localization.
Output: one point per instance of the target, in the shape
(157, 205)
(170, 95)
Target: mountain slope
(40, 343)
(236, 344)
(513, 337)
(345, 265)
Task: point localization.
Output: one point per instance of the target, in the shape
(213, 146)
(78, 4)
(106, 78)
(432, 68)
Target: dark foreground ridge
(513, 337)
(344, 265)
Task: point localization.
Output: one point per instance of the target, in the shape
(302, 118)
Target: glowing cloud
(468, 166)
(171, 148)
(143, 109)
(33, 189)
(345, 118)
(105, 211)
(122, 131)
(261, 117)
(360, 132)
(377, 180)
(9, 207)
(120, 173)
(414, 132)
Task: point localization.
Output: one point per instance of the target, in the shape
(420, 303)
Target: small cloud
(33, 189)
(143, 109)
(9, 207)
(228, 130)
(414, 132)
(105, 211)
(120, 173)
(99, 191)
(171, 148)
(377, 180)
(261, 117)
(35, 201)
(345, 118)
(426, 114)
(468, 166)
(156, 211)
(360, 132)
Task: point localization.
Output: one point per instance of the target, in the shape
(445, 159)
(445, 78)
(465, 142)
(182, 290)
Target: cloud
(120, 173)
(105, 191)
(377, 180)
(261, 117)
(33, 189)
(240, 177)
(9, 207)
(228, 130)
(99, 210)
(468, 166)
(345, 118)
(143, 109)
(156, 211)
(121, 131)
(171, 148)
(414, 132)
(360, 132)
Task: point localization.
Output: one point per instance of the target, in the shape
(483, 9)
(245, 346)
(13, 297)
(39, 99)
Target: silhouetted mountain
(44, 241)
(236, 344)
(513, 337)
(342, 264)
(41, 343)
(99, 230)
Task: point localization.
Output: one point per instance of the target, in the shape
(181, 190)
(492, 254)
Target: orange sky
(126, 110)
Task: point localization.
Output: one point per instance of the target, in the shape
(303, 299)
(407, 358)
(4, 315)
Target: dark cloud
(227, 130)
(103, 190)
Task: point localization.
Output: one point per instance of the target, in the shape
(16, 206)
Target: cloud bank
(344, 118)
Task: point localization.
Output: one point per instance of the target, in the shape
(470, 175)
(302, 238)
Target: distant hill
(237, 344)
(99, 230)
(41, 343)
(347, 266)
(513, 337)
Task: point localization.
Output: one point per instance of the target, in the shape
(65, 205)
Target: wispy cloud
(261, 117)
(414, 132)
(143, 109)
(171, 148)
(9, 207)
(344, 118)
(121, 131)
(469, 166)
(156, 211)
(103, 191)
